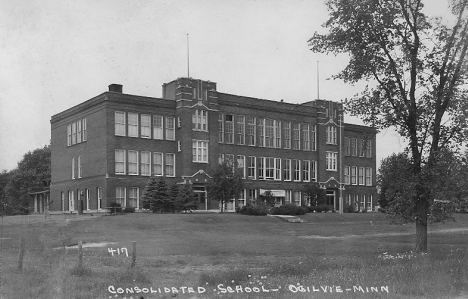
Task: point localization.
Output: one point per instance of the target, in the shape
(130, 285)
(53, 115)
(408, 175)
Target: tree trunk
(421, 226)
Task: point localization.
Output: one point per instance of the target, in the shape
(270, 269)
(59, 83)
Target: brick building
(105, 149)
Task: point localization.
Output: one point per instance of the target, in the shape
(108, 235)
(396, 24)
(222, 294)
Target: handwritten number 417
(118, 251)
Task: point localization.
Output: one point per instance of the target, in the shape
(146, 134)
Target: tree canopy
(416, 68)
(225, 184)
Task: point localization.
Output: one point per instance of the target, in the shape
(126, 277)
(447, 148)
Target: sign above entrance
(275, 193)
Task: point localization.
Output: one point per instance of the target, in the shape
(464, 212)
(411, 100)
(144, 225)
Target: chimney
(115, 88)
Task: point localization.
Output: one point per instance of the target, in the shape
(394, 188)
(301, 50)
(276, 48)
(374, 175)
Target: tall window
(277, 134)
(331, 134)
(287, 170)
(157, 127)
(361, 175)
(200, 120)
(241, 164)
(200, 151)
(99, 197)
(306, 171)
(133, 194)
(297, 170)
(145, 166)
(278, 169)
(261, 130)
(362, 148)
(85, 130)
(132, 124)
(170, 165)
(240, 129)
(170, 128)
(73, 168)
(261, 168)
(347, 146)
(269, 168)
(74, 133)
(354, 149)
(157, 164)
(314, 138)
(347, 175)
(368, 176)
(145, 126)
(368, 148)
(362, 204)
(251, 169)
(79, 131)
(331, 160)
(229, 128)
(79, 167)
(220, 128)
(69, 135)
(369, 202)
(269, 132)
(119, 161)
(353, 175)
(251, 127)
(313, 171)
(132, 162)
(305, 137)
(119, 123)
(296, 143)
(287, 135)
(120, 195)
(88, 198)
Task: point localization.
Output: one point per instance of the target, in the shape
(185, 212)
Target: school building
(105, 149)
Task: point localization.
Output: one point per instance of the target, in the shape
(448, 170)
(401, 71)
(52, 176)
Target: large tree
(417, 72)
(225, 184)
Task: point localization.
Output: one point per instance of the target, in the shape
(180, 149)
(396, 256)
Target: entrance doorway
(200, 197)
(330, 198)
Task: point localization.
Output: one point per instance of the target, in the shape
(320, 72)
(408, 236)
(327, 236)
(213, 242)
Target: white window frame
(118, 196)
(200, 120)
(69, 135)
(331, 134)
(251, 130)
(118, 162)
(278, 169)
(79, 167)
(73, 133)
(368, 176)
(354, 171)
(368, 148)
(296, 136)
(85, 130)
(369, 202)
(132, 126)
(220, 128)
(120, 123)
(145, 130)
(145, 163)
(296, 170)
(287, 170)
(131, 163)
(332, 161)
(99, 197)
(305, 130)
(170, 128)
(132, 197)
(158, 127)
(354, 149)
(277, 126)
(252, 166)
(229, 126)
(200, 151)
(361, 176)
(306, 170)
(240, 129)
(79, 131)
(169, 163)
(347, 146)
(313, 171)
(88, 198)
(241, 165)
(157, 163)
(269, 132)
(287, 135)
(347, 175)
(314, 138)
(73, 168)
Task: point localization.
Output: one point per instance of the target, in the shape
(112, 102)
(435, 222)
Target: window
(362, 204)
(368, 148)
(287, 135)
(347, 146)
(79, 131)
(297, 170)
(269, 133)
(287, 196)
(69, 135)
(261, 164)
(170, 165)
(99, 197)
(277, 169)
(314, 138)
(170, 128)
(361, 174)
(251, 168)
(119, 123)
(179, 122)
(354, 147)
(369, 202)
(368, 176)
(79, 167)
(331, 161)
(331, 135)
(157, 127)
(277, 134)
(145, 126)
(179, 146)
(119, 161)
(229, 128)
(313, 171)
(261, 129)
(269, 168)
(240, 129)
(88, 198)
(71, 200)
(241, 164)
(347, 175)
(200, 151)
(85, 130)
(230, 160)
(305, 137)
(296, 137)
(220, 128)
(200, 120)
(62, 197)
(353, 175)
(145, 166)
(132, 124)
(73, 168)
(157, 164)
(120, 195)
(297, 198)
(221, 159)
(133, 162)
(133, 195)
(362, 148)
(73, 133)
(306, 171)
(251, 127)
(287, 170)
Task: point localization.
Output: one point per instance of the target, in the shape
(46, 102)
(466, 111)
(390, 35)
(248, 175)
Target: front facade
(106, 149)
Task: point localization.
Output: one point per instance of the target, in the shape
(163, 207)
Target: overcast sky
(58, 53)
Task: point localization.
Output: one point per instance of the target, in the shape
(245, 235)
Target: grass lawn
(231, 256)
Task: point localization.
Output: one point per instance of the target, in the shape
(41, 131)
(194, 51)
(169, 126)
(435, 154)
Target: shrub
(253, 210)
(129, 210)
(288, 209)
(116, 207)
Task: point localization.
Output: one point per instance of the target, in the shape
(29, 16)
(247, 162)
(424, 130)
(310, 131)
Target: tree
(417, 72)
(156, 196)
(31, 174)
(186, 198)
(316, 195)
(225, 184)
(173, 197)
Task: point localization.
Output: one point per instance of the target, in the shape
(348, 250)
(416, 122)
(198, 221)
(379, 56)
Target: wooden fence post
(80, 254)
(21, 254)
(134, 254)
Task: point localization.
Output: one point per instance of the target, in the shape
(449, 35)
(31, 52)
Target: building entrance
(330, 198)
(200, 197)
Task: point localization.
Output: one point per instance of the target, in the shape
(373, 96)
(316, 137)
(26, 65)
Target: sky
(56, 54)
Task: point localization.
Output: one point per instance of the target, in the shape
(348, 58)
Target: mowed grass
(361, 255)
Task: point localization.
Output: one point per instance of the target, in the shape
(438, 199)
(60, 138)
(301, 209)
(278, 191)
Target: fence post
(21, 254)
(134, 254)
(80, 254)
